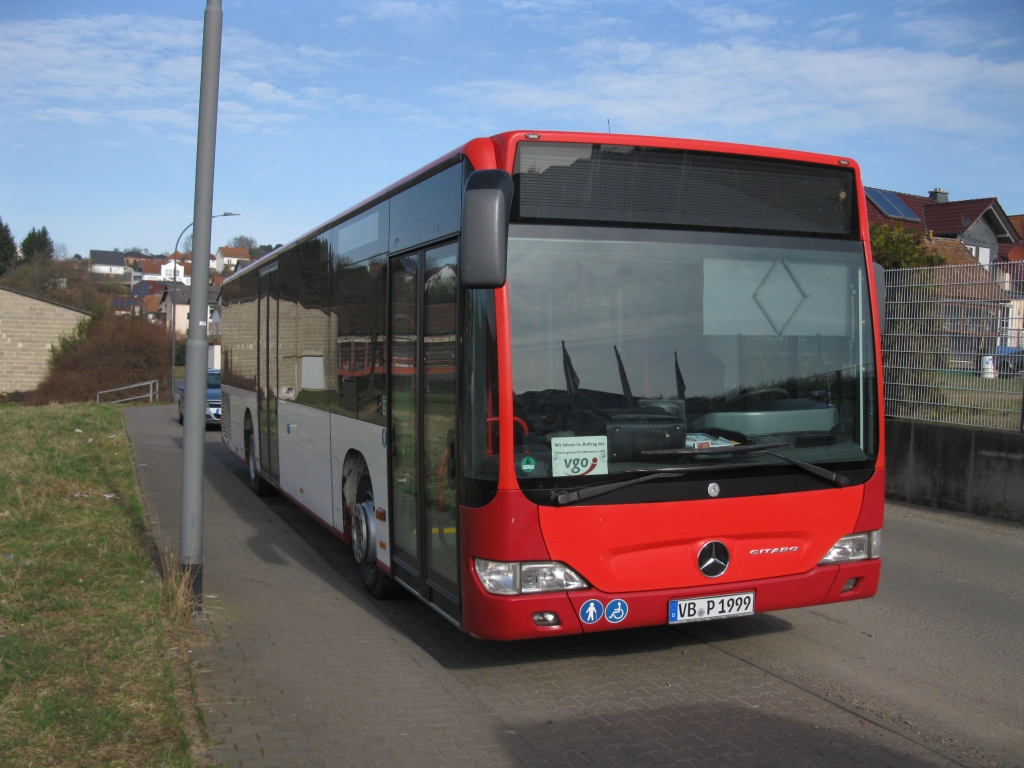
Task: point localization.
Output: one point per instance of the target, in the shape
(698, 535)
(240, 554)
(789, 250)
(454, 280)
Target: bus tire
(257, 484)
(377, 584)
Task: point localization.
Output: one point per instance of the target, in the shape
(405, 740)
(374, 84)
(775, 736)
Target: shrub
(115, 352)
(896, 247)
(65, 281)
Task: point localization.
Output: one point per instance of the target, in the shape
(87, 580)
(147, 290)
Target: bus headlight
(526, 578)
(858, 546)
(548, 577)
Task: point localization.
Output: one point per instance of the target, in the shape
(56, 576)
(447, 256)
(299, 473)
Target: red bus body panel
(635, 547)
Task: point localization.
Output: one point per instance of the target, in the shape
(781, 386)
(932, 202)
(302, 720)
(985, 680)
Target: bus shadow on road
(456, 650)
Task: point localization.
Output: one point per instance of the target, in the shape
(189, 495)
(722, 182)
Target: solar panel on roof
(899, 205)
(889, 204)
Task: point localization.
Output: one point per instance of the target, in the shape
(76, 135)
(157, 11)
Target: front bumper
(494, 617)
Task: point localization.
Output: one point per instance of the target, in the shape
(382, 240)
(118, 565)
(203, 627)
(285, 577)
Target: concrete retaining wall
(962, 469)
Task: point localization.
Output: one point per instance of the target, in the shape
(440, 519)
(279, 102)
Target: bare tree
(243, 241)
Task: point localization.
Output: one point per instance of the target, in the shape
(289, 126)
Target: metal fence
(953, 345)
(152, 392)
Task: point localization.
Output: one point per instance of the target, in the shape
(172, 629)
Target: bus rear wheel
(257, 484)
(377, 584)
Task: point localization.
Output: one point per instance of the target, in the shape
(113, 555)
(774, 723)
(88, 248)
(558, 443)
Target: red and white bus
(556, 383)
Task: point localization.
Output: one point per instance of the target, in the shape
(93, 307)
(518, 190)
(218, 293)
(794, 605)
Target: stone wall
(29, 327)
(961, 469)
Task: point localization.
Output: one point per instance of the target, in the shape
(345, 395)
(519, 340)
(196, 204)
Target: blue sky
(323, 103)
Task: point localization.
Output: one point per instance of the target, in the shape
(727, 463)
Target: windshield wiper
(563, 498)
(813, 469)
(723, 449)
(600, 489)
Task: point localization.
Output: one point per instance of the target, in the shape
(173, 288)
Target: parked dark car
(212, 398)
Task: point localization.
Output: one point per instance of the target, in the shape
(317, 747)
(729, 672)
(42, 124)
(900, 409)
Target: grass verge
(87, 632)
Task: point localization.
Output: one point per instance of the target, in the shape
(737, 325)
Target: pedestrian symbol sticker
(616, 611)
(591, 611)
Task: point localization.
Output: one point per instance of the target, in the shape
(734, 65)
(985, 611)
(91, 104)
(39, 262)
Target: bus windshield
(640, 349)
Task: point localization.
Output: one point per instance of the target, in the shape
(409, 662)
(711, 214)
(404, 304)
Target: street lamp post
(174, 280)
(193, 438)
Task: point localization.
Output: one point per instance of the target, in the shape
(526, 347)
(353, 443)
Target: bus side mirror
(486, 208)
(880, 294)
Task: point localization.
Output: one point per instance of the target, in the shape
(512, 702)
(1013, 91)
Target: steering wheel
(783, 394)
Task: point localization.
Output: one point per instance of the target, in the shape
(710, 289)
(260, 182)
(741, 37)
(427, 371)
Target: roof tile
(955, 217)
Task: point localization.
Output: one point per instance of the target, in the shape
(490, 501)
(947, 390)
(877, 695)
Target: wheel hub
(364, 533)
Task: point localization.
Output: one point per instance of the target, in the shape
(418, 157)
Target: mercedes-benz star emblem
(713, 559)
(713, 490)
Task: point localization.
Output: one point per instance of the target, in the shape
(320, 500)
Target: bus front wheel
(376, 583)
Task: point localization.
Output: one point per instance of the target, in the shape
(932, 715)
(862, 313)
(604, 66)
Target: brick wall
(28, 328)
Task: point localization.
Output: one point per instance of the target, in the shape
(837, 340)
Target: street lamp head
(227, 213)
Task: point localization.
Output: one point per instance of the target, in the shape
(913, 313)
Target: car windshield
(213, 379)
(642, 349)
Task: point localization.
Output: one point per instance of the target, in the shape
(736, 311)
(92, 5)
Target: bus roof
(498, 151)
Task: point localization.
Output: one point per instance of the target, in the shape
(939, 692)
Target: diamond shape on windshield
(779, 296)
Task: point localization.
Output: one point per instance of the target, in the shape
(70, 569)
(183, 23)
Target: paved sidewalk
(303, 669)
(300, 671)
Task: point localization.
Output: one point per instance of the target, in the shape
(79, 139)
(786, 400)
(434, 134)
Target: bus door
(266, 389)
(423, 287)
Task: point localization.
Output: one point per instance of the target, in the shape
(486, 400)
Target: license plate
(712, 607)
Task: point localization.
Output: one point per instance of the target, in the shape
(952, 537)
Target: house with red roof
(1018, 223)
(981, 225)
(229, 257)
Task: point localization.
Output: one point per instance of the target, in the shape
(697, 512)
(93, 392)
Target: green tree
(65, 281)
(37, 245)
(262, 250)
(8, 248)
(896, 247)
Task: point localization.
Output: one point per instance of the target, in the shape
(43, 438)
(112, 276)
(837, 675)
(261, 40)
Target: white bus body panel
(304, 445)
(312, 452)
(239, 400)
(348, 434)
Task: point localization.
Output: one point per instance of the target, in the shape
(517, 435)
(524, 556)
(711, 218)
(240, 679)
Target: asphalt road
(936, 660)
(939, 650)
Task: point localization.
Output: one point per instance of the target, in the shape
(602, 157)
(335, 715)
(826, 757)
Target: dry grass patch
(86, 668)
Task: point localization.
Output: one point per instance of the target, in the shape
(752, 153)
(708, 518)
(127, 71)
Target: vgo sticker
(578, 456)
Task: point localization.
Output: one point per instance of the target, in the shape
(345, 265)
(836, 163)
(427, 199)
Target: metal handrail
(153, 392)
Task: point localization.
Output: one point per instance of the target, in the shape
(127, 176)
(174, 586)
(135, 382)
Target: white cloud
(940, 32)
(178, 118)
(840, 35)
(728, 19)
(144, 71)
(407, 10)
(63, 114)
(765, 92)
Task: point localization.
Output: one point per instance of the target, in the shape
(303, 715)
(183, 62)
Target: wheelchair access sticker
(616, 611)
